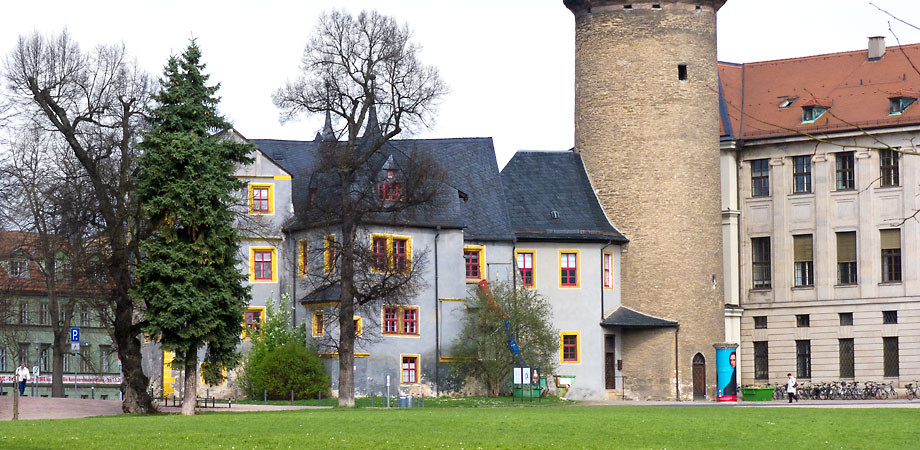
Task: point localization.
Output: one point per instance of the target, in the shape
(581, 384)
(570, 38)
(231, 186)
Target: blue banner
(726, 374)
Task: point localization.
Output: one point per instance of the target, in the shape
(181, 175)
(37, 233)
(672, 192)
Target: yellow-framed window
(261, 199)
(409, 369)
(302, 257)
(569, 273)
(359, 328)
(263, 264)
(474, 262)
(319, 324)
(329, 253)
(569, 347)
(607, 270)
(525, 266)
(401, 320)
(390, 253)
(253, 318)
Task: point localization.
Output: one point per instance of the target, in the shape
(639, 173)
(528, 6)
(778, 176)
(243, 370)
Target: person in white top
(791, 386)
(22, 375)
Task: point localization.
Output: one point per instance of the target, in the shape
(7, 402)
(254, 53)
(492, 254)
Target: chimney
(876, 47)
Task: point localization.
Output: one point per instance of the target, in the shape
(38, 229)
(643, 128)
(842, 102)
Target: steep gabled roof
(550, 197)
(855, 89)
(469, 163)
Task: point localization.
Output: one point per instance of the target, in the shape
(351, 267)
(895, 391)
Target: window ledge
(890, 283)
(762, 289)
(803, 288)
(802, 194)
(846, 285)
(889, 188)
(843, 191)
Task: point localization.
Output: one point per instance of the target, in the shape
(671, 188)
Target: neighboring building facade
(26, 317)
(827, 249)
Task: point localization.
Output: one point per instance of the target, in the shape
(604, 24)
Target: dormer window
(787, 102)
(389, 189)
(812, 113)
(19, 268)
(898, 105)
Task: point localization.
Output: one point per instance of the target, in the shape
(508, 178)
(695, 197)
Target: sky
(509, 63)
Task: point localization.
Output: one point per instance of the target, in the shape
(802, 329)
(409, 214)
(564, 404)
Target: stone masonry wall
(651, 146)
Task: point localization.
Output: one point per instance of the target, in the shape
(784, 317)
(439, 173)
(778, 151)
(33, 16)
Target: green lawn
(471, 428)
(430, 402)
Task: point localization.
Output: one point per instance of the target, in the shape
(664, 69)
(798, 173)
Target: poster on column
(726, 360)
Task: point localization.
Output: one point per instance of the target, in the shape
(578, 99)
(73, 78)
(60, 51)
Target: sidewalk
(73, 408)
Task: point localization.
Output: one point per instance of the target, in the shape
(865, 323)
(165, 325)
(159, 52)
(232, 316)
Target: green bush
(280, 361)
(284, 368)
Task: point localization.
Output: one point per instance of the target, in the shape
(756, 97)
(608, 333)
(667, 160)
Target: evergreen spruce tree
(188, 275)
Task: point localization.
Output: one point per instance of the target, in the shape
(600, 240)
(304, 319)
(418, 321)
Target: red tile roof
(22, 245)
(855, 90)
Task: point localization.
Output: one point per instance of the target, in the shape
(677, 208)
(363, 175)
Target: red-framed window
(260, 198)
(391, 320)
(253, 320)
(400, 257)
(410, 369)
(263, 265)
(380, 253)
(401, 320)
(388, 191)
(525, 267)
(471, 257)
(608, 270)
(568, 264)
(410, 321)
(570, 347)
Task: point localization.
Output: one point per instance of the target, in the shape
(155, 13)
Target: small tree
(280, 360)
(189, 278)
(483, 341)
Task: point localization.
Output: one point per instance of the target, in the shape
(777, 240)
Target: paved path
(71, 408)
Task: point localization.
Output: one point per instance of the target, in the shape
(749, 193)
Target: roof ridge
(821, 55)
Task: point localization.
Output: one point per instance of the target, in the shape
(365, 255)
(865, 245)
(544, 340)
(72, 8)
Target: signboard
(518, 375)
(83, 379)
(525, 371)
(726, 374)
(74, 335)
(75, 347)
(35, 371)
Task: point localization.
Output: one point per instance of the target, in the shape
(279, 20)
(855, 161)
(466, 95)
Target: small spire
(328, 134)
(372, 129)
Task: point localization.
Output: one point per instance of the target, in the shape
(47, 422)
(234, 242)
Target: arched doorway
(699, 377)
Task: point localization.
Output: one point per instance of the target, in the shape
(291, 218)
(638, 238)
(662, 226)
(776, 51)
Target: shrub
(280, 361)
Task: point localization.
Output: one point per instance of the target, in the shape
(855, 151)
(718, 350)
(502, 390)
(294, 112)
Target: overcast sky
(509, 63)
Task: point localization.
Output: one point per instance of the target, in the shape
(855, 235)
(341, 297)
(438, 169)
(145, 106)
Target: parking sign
(74, 335)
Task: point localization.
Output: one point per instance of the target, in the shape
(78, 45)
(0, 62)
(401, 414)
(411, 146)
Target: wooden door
(610, 361)
(699, 377)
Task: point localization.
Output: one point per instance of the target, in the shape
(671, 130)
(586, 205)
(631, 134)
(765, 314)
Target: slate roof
(539, 182)
(856, 89)
(628, 318)
(470, 167)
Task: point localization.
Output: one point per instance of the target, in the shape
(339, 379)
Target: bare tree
(355, 68)
(94, 101)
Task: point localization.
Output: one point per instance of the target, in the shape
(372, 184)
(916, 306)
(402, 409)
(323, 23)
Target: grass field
(473, 428)
(430, 402)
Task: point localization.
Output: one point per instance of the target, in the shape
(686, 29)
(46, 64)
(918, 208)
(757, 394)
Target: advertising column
(726, 372)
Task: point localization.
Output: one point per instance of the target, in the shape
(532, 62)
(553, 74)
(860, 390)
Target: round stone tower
(647, 127)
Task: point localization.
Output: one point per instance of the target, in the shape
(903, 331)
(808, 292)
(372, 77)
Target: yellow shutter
(846, 247)
(803, 248)
(891, 239)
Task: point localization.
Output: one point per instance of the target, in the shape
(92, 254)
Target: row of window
(568, 268)
(847, 267)
(846, 319)
(44, 315)
(107, 360)
(845, 173)
(397, 321)
(846, 358)
(811, 113)
(19, 268)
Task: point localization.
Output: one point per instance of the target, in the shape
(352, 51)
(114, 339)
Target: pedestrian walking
(791, 386)
(22, 376)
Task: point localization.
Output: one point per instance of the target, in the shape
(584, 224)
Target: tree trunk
(57, 365)
(15, 399)
(134, 381)
(346, 313)
(190, 394)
